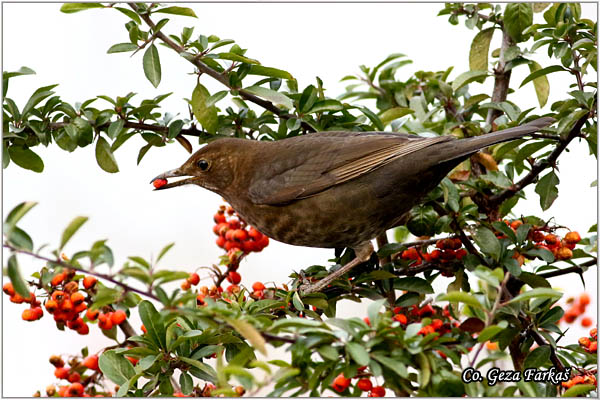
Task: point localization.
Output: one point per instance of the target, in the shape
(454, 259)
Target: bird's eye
(203, 165)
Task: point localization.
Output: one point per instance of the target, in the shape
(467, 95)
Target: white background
(325, 40)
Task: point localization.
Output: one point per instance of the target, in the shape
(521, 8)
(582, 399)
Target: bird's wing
(322, 160)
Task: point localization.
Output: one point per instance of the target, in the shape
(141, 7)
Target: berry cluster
(561, 248)
(577, 308)
(590, 344)
(446, 251)
(341, 383)
(34, 312)
(234, 233)
(74, 375)
(586, 378)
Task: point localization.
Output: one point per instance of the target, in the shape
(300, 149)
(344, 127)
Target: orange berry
(220, 241)
(58, 279)
(572, 237)
(584, 342)
(8, 289)
(340, 383)
(515, 224)
(71, 287)
(259, 294)
(185, 285)
(564, 253)
(586, 322)
(254, 233)
(118, 317)
(29, 315)
(437, 323)
(377, 391)
(144, 329)
(367, 321)
(594, 333)
(492, 346)
(240, 235)
(233, 288)
(194, 279)
(17, 298)
(92, 314)
(75, 389)
(89, 282)
(91, 362)
(219, 218)
(401, 318)
(66, 306)
(258, 286)
(58, 296)
(200, 300)
(571, 315)
(593, 347)
(551, 239)
(77, 298)
(61, 373)
(584, 299)
(51, 306)
(134, 361)
(104, 322)
(63, 391)
(81, 307)
(364, 384)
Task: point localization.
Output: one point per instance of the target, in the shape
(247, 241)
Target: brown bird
(331, 189)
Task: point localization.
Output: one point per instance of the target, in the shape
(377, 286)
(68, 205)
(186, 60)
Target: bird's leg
(362, 253)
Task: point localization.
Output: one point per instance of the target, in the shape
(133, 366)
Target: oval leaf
(413, 284)
(206, 115)
(250, 333)
(358, 353)
(15, 277)
(115, 367)
(151, 63)
(71, 229)
(104, 156)
(480, 48)
(25, 158)
(276, 98)
(460, 297)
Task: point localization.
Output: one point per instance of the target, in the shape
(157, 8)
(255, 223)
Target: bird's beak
(173, 174)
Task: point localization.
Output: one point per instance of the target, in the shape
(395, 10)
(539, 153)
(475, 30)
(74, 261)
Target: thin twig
(576, 268)
(73, 267)
(222, 78)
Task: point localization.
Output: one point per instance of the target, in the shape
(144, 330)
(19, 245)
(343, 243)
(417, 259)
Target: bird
(331, 189)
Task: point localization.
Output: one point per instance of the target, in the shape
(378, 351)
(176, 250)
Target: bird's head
(212, 167)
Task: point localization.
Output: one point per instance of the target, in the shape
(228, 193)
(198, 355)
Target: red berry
(61, 373)
(29, 315)
(234, 277)
(74, 377)
(104, 322)
(240, 235)
(89, 282)
(377, 391)
(401, 318)
(586, 322)
(426, 311)
(75, 390)
(220, 241)
(254, 233)
(593, 347)
(8, 289)
(51, 306)
(91, 362)
(118, 317)
(258, 286)
(92, 314)
(340, 383)
(194, 278)
(158, 183)
(77, 298)
(364, 384)
(220, 218)
(84, 329)
(367, 321)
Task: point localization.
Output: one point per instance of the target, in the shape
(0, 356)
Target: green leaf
(391, 114)
(130, 13)
(460, 297)
(186, 383)
(534, 280)
(207, 116)
(422, 220)
(487, 242)
(16, 214)
(236, 57)
(153, 323)
(276, 98)
(541, 84)
(413, 284)
(122, 48)
(151, 63)
(468, 77)
(70, 230)
(26, 158)
(115, 367)
(480, 47)
(20, 239)
(489, 333)
(372, 117)
(326, 105)
(212, 100)
(579, 390)
(104, 156)
(547, 188)
(517, 18)
(164, 251)
(187, 12)
(70, 8)
(394, 365)
(207, 369)
(358, 353)
(15, 277)
(250, 333)
(538, 357)
(268, 71)
(537, 292)
(541, 72)
(115, 128)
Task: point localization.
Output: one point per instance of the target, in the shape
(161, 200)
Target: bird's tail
(468, 146)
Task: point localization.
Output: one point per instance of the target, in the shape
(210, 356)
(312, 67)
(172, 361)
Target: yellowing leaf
(480, 47)
(250, 333)
(207, 116)
(541, 84)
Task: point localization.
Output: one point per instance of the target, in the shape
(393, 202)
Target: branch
(222, 78)
(539, 339)
(271, 337)
(73, 267)
(576, 268)
(502, 79)
(539, 166)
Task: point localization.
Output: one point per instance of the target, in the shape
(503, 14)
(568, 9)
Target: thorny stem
(222, 78)
(576, 268)
(73, 267)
